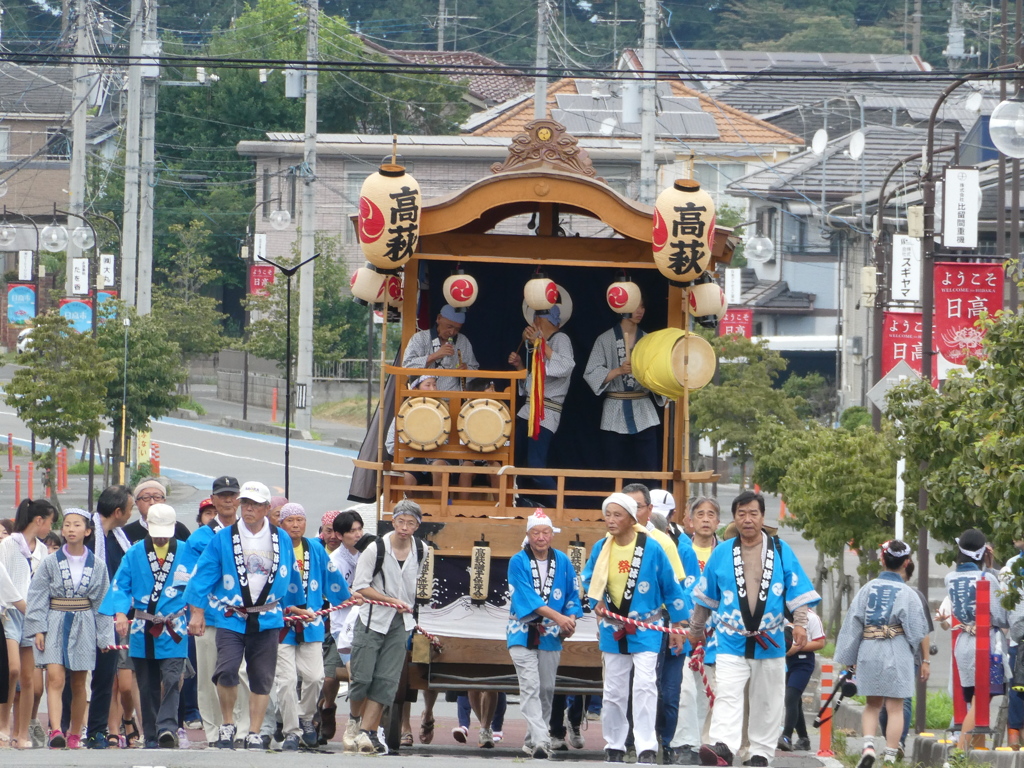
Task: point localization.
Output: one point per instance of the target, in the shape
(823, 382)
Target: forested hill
(583, 32)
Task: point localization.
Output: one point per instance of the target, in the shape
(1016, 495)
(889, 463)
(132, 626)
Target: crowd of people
(245, 628)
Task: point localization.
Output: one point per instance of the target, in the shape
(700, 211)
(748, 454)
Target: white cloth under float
(486, 622)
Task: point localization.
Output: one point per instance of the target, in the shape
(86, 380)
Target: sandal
(406, 740)
(130, 737)
(113, 740)
(426, 731)
(5, 741)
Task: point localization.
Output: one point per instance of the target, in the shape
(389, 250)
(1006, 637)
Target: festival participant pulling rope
(696, 655)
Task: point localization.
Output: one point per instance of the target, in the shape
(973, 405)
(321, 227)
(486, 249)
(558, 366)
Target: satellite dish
(857, 145)
(819, 142)
(974, 103)
(608, 126)
(759, 250)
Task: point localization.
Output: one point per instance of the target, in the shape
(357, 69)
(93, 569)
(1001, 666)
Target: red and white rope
(117, 647)
(642, 624)
(697, 665)
(434, 639)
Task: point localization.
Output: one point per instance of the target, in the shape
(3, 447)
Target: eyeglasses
(150, 499)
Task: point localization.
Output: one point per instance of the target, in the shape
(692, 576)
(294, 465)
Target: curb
(265, 429)
(933, 751)
(348, 443)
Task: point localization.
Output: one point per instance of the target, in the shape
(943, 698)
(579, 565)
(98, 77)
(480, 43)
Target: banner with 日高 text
(901, 340)
(962, 292)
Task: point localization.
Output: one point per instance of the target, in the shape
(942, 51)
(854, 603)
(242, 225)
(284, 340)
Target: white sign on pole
(25, 266)
(734, 286)
(259, 246)
(906, 268)
(901, 493)
(107, 270)
(961, 204)
(80, 277)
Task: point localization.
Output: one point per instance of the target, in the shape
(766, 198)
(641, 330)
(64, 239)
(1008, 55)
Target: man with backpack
(387, 572)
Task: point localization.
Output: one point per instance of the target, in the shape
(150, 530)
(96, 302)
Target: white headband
(901, 552)
(540, 518)
(974, 554)
(628, 503)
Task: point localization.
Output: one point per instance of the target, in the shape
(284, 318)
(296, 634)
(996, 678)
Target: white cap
(254, 491)
(540, 518)
(663, 502)
(161, 519)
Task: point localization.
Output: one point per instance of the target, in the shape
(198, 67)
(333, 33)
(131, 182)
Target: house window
(715, 177)
(5, 144)
(58, 144)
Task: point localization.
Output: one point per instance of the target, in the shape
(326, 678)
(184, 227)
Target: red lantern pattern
(460, 290)
(369, 286)
(683, 231)
(540, 293)
(623, 297)
(394, 290)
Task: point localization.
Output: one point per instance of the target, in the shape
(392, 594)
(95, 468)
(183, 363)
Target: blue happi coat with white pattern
(563, 597)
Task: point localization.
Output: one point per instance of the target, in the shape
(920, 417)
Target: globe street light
(1006, 126)
(53, 238)
(83, 237)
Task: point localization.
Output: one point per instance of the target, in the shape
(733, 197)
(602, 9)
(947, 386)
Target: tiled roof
(773, 295)
(675, 59)
(488, 87)
(732, 125)
(42, 90)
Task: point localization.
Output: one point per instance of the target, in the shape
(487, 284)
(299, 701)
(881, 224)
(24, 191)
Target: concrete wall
(261, 389)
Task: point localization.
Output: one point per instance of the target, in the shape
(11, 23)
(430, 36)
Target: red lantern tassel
(537, 387)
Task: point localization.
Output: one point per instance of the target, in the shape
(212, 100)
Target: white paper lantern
(540, 293)
(389, 217)
(368, 286)
(394, 290)
(460, 290)
(623, 297)
(684, 231)
(707, 299)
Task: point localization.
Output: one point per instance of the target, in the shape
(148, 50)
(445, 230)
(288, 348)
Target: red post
(31, 477)
(62, 457)
(982, 647)
(154, 459)
(17, 486)
(273, 407)
(825, 731)
(959, 705)
(10, 452)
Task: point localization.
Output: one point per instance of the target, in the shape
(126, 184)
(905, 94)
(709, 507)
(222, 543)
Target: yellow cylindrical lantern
(389, 216)
(393, 290)
(671, 361)
(540, 293)
(707, 299)
(460, 290)
(684, 231)
(368, 286)
(623, 297)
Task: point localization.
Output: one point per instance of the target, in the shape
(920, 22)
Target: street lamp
(1006, 126)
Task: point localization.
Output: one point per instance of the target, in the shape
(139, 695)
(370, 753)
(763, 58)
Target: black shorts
(260, 652)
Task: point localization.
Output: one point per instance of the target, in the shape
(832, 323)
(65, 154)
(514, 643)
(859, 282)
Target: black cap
(225, 484)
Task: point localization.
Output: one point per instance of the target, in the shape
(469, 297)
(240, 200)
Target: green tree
(59, 392)
(816, 396)
(833, 34)
(731, 412)
(148, 361)
(191, 319)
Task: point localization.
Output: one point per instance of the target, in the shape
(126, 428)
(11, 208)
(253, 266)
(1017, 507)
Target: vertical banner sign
(80, 277)
(21, 303)
(259, 246)
(78, 312)
(261, 277)
(906, 269)
(901, 340)
(143, 446)
(961, 205)
(25, 266)
(734, 286)
(737, 322)
(962, 293)
(107, 270)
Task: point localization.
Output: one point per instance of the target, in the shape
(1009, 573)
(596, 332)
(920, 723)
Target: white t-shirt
(542, 571)
(76, 563)
(258, 553)
(815, 629)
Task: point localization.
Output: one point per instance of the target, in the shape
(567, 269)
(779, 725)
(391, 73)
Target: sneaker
(486, 740)
(365, 745)
(56, 740)
(166, 740)
(558, 745)
(497, 736)
(151, 744)
(379, 748)
(719, 754)
(226, 736)
(74, 741)
(348, 739)
(575, 737)
(757, 761)
(802, 744)
(279, 732)
(267, 739)
(38, 735)
(291, 743)
(867, 758)
(685, 755)
(309, 737)
(528, 749)
(614, 756)
(253, 741)
(784, 745)
(97, 741)
(541, 752)
(460, 733)
(183, 742)
(194, 725)
(647, 757)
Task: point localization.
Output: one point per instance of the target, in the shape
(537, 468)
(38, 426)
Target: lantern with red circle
(684, 231)
(623, 297)
(540, 293)
(368, 286)
(394, 290)
(389, 216)
(460, 290)
(706, 302)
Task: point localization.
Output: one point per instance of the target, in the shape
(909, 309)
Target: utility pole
(304, 377)
(915, 40)
(442, 17)
(79, 113)
(648, 93)
(540, 81)
(147, 156)
(130, 219)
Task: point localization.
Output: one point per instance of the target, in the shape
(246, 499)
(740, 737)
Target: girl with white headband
(884, 625)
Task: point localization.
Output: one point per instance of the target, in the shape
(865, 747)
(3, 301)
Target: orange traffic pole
(825, 731)
(273, 407)
(17, 486)
(10, 452)
(154, 460)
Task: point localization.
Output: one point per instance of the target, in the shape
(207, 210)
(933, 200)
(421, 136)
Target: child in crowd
(53, 542)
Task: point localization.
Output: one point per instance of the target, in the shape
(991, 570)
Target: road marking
(236, 434)
(250, 458)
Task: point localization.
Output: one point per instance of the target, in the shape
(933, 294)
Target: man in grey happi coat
(884, 625)
(443, 346)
